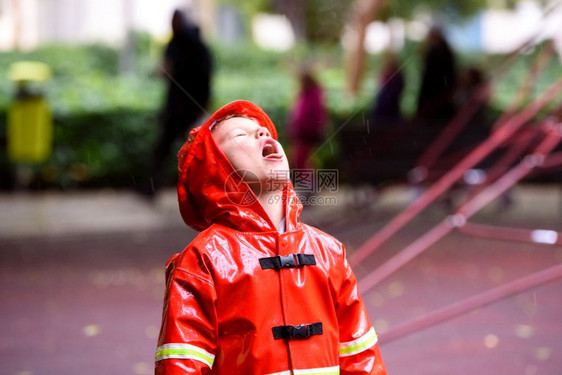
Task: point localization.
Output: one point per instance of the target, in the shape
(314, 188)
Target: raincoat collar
(211, 191)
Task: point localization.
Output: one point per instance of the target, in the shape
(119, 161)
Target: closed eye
(237, 133)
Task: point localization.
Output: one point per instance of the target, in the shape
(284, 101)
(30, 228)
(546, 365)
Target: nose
(263, 132)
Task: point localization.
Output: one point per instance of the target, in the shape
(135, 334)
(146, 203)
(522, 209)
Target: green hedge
(106, 123)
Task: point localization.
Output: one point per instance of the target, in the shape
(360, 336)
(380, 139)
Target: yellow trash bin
(30, 122)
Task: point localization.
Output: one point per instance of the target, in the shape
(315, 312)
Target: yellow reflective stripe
(319, 371)
(361, 344)
(184, 351)
(312, 371)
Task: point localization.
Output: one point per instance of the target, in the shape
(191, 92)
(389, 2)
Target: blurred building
(491, 31)
(515, 27)
(25, 24)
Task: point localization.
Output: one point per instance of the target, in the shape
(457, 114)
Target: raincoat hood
(211, 191)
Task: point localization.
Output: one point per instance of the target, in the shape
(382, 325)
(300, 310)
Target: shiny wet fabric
(222, 306)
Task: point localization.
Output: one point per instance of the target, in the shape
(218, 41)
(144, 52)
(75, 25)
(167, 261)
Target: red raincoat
(243, 298)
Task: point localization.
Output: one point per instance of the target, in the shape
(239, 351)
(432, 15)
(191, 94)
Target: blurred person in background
(386, 110)
(187, 69)
(307, 121)
(438, 80)
(472, 84)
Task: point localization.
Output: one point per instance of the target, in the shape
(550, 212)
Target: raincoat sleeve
(359, 348)
(188, 336)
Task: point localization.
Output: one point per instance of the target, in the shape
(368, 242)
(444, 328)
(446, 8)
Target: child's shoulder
(322, 237)
(327, 249)
(313, 231)
(209, 234)
(198, 247)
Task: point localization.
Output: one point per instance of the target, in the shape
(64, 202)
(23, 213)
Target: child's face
(249, 147)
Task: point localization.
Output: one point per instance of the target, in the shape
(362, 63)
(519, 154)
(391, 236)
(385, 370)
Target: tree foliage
(324, 19)
(455, 10)
(250, 7)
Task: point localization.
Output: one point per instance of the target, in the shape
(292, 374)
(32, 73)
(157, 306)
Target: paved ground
(82, 284)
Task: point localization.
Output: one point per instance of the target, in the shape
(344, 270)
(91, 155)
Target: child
(257, 291)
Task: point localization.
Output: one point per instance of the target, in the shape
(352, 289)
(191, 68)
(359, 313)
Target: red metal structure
(436, 150)
(517, 286)
(459, 221)
(468, 209)
(511, 136)
(502, 133)
(532, 143)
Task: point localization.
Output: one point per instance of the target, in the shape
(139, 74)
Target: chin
(279, 169)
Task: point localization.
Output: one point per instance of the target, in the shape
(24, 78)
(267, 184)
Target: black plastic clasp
(299, 332)
(288, 261)
(302, 331)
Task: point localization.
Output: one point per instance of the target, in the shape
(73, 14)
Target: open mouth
(270, 151)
